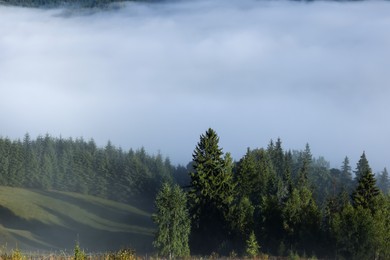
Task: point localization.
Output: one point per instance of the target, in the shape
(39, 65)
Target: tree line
(81, 166)
(274, 202)
(271, 201)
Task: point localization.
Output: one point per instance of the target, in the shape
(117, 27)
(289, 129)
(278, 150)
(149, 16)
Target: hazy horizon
(158, 75)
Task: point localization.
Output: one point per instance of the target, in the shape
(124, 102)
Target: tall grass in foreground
(125, 254)
(78, 254)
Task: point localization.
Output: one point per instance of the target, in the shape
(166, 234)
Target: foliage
(293, 255)
(384, 181)
(252, 247)
(79, 254)
(15, 254)
(211, 182)
(173, 223)
(122, 254)
(80, 166)
(362, 167)
(301, 219)
(355, 233)
(242, 215)
(211, 193)
(366, 191)
(346, 174)
(291, 201)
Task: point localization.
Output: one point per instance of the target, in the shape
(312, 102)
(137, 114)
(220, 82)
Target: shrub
(78, 253)
(17, 255)
(252, 247)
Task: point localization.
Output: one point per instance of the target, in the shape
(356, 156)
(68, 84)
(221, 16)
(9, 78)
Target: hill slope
(51, 220)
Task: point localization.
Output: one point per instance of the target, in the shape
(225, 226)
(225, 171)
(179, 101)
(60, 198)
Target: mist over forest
(157, 74)
(104, 107)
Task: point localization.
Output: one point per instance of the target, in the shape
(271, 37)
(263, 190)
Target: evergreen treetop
(366, 190)
(362, 167)
(212, 179)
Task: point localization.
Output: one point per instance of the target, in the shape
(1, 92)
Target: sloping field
(51, 221)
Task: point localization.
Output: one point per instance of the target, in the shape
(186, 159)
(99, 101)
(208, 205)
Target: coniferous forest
(80, 166)
(270, 202)
(275, 202)
(151, 72)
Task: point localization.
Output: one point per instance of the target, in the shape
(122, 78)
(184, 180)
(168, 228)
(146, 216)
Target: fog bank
(158, 75)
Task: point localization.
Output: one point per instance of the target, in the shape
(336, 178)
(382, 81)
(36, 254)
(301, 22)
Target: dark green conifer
(211, 193)
(366, 190)
(362, 167)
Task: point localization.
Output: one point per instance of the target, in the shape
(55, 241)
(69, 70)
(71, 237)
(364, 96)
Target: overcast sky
(159, 75)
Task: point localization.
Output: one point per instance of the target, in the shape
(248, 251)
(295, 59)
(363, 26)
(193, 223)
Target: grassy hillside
(51, 220)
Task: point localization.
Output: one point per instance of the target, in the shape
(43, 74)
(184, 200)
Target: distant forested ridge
(81, 166)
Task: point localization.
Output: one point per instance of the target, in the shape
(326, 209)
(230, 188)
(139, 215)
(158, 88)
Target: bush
(78, 253)
(293, 256)
(252, 247)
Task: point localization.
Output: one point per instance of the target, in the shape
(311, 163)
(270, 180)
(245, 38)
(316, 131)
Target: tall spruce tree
(362, 167)
(211, 193)
(366, 190)
(211, 181)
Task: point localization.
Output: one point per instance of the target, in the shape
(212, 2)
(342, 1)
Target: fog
(158, 75)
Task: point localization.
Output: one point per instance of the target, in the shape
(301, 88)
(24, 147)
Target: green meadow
(34, 220)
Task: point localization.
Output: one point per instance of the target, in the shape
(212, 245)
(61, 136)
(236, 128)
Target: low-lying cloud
(158, 75)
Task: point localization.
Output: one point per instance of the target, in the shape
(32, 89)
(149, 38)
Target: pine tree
(346, 174)
(362, 167)
(211, 181)
(366, 190)
(301, 218)
(307, 156)
(346, 169)
(173, 222)
(246, 174)
(211, 193)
